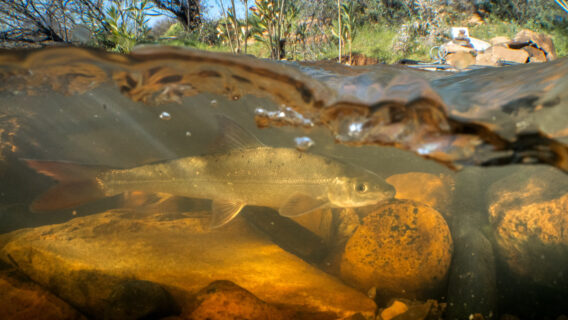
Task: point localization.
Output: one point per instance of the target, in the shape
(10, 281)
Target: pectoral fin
(225, 211)
(299, 204)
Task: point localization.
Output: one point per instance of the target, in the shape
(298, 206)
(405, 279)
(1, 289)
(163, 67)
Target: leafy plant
(346, 28)
(127, 22)
(271, 23)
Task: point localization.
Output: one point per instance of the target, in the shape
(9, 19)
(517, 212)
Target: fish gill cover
(492, 116)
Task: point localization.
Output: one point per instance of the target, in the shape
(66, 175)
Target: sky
(213, 9)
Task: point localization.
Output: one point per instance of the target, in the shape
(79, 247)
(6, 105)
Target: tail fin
(77, 185)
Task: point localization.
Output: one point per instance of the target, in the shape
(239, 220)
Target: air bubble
(284, 115)
(303, 143)
(165, 116)
(355, 129)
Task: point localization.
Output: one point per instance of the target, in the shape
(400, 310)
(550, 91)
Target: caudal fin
(77, 185)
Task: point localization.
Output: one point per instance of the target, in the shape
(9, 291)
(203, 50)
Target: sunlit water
(496, 227)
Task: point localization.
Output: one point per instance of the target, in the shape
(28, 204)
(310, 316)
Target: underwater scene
(183, 184)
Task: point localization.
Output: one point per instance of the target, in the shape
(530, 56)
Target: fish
(239, 171)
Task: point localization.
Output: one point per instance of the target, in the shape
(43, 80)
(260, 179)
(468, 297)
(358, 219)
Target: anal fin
(224, 211)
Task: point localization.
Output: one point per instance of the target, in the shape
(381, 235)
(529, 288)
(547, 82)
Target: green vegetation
(387, 30)
(293, 30)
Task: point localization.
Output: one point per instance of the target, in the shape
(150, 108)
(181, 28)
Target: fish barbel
(241, 172)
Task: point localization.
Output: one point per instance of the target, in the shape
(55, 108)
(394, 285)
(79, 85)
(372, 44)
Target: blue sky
(214, 10)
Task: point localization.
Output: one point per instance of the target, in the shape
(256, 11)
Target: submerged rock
(288, 235)
(403, 249)
(472, 284)
(22, 299)
(528, 211)
(224, 300)
(137, 299)
(82, 261)
(433, 190)
(401, 309)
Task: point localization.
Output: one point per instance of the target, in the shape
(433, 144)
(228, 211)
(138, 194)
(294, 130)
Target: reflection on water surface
(144, 165)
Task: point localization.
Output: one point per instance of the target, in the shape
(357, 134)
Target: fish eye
(361, 187)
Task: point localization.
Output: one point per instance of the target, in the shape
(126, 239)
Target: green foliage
(175, 30)
(127, 22)
(271, 23)
(302, 30)
(535, 13)
(493, 28)
(348, 25)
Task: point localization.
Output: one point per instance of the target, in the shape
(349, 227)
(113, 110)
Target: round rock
(528, 212)
(403, 248)
(223, 299)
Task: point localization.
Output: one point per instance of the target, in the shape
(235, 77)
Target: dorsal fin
(232, 136)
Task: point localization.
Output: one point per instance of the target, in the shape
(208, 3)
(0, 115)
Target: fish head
(360, 189)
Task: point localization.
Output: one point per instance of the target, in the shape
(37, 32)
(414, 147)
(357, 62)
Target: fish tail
(77, 185)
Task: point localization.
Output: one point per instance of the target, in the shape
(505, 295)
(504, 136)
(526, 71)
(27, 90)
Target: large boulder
(85, 259)
(21, 299)
(539, 40)
(494, 55)
(528, 212)
(224, 300)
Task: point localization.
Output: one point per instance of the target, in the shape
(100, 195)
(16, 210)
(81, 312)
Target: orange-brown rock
(433, 190)
(454, 47)
(395, 309)
(23, 300)
(493, 55)
(528, 211)
(402, 309)
(403, 248)
(460, 60)
(535, 55)
(502, 41)
(359, 59)
(83, 259)
(475, 19)
(224, 300)
(541, 40)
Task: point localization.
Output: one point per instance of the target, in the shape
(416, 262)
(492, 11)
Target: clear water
(80, 106)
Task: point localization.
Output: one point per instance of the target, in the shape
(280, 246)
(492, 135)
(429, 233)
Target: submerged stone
(82, 261)
(402, 309)
(403, 249)
(224, 300)
(433, 190)
(21, 299)
(138, 299)
(528, 211)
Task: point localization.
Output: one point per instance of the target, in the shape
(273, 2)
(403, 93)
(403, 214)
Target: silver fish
(241, 172)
